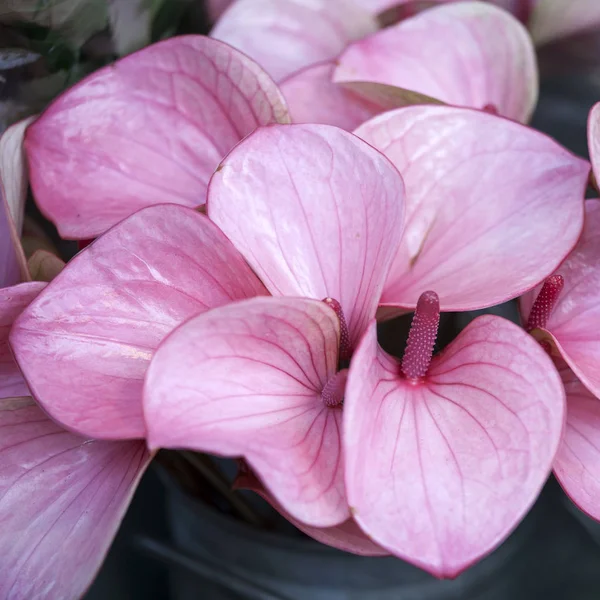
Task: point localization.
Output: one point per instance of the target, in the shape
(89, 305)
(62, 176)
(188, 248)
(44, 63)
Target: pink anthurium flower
(482, 192)
(445, 456)
(149, 129)
(317, 213)
(62, 496)
(564, 314)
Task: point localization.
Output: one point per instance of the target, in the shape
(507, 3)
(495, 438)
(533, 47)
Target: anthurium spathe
(482, 192)
(317, 213)
(93, 329)
(62, 496)
(426, 54)
(564, 314)
(149, 129)
(445, 456)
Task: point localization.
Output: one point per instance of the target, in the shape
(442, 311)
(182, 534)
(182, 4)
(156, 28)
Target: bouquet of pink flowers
(259, 200)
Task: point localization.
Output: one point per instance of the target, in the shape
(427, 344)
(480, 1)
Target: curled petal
(246, 380)
(13, 300)
(315, 211)
(440, 471)
(594, 139)
(286, 35)
(466, 54)
(84, 344)
(573, 322)
(481, 193)
(62, 499)
(553, 19)
(147, 130)
(577, 463)
(13, 172)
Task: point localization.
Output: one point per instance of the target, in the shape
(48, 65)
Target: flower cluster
(249, 235)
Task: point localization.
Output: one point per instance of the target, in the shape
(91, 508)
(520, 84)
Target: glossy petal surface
(577, 463)
(315, 211)
(440, 471)
(552, 19)
(62, 499)
(286, 35)
(13, 300)
(147, 130)
(481, 192)
(84, 344)
(573, 322)
(246, 380)
(466, 54)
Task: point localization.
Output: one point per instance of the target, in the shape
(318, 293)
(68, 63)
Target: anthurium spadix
(482, 192)
(149, 129)
(445, 456)
(564, 314)
(62, 496)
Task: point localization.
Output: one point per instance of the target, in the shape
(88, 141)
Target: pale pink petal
(84, 344)
(575, 318)
(13, 171)
(594, 139)
(315, 211)
(466, 54)
(149, 129)
(552, 19)
(313, 97)
(13, 300)
(440, 471)
(62, 499)
(286, 35)
(577, 463)
(482, 193)
(347, 536)
(246, 380)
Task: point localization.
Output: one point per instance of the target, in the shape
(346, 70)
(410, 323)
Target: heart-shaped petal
(315, 211)
(573, 321)
(84, 344)
(481, 193)
(13, 301)
(439, 471)
(62, 499)
(577, 463)
(286, 35)
(149, 129)
(466, 54)
(247, 380)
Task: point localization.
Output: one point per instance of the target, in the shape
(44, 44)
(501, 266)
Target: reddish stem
(422, 335)
(544, 303)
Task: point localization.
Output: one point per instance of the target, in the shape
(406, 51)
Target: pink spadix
(544, 303)
(421, 339)
(333, 392)
(345, 348)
